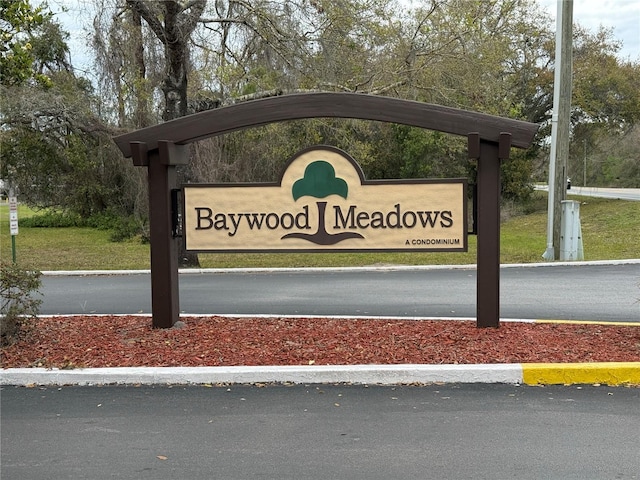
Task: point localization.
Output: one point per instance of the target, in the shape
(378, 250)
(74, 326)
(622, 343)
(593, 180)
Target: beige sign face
(323, 203)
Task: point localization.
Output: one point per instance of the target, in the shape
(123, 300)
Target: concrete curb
(199, 271)
(530, 374)
(357, 374)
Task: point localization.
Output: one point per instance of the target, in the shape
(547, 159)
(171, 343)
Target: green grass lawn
(610, 228)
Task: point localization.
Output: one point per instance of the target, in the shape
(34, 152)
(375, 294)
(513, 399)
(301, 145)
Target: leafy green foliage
(516, 177)
(27, 36)
(18, 288)
(120, 227)
(55, 149)
(52, 219)
(60, 155)
(605, 89)
(77, 173)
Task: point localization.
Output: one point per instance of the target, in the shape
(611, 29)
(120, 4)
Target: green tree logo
(320, 181)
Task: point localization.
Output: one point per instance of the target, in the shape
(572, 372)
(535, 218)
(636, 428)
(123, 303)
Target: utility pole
(560, 123)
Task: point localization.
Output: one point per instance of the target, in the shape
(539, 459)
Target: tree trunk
(174, 34)
(176, 55)
(141, 112)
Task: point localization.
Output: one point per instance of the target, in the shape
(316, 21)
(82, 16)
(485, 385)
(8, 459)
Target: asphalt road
(603, 192)
(321, 432)
(617, 193)
(569, 292)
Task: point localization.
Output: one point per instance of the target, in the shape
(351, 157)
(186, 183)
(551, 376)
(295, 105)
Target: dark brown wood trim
(165, 300)
(195, 127)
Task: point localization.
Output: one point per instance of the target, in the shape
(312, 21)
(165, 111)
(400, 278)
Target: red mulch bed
(128, 341)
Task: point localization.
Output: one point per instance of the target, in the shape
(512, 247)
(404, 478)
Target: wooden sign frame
(162, 147)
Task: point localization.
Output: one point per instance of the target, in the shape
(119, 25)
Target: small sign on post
(13, 222)
(13, 215)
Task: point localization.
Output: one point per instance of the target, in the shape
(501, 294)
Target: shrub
(19, 306)
(122, 227)
(52, 219)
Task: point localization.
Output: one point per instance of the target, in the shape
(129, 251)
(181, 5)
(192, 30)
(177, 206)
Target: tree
(172, 22)
(19, 25)
(605, 111)
(489, 56)
(59, 154)
(605, 88)
(55, 148)
(128, 64)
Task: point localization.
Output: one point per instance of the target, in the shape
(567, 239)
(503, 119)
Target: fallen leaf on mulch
(130, 341)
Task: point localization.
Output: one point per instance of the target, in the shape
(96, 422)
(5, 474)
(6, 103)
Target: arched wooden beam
(198, 126)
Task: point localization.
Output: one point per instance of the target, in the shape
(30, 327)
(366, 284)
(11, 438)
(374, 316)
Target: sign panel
(323, 203)
(13, 215)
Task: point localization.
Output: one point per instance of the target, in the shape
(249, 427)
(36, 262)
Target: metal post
(584, 170)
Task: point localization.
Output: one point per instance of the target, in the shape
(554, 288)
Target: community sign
(324, 203)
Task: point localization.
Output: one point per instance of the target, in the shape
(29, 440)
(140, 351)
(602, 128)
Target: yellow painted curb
(609, 373)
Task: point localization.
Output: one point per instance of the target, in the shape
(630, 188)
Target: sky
(621, 15)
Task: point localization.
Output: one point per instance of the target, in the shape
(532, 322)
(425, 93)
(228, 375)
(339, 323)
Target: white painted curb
(355, 374)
